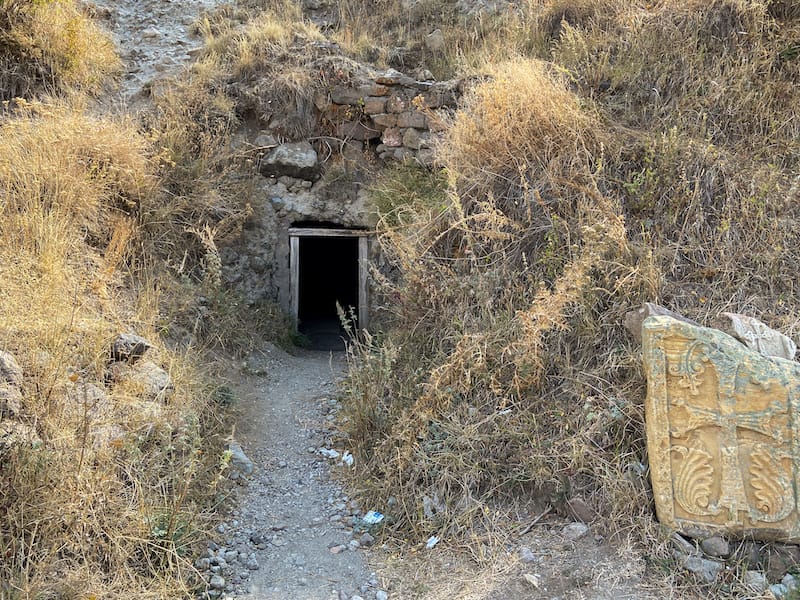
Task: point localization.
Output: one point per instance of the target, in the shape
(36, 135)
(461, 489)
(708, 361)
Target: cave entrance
(328, 266)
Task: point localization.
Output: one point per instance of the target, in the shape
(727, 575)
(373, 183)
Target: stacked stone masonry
(402, 117)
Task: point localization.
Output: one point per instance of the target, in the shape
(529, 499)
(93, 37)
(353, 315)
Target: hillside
(551, 165)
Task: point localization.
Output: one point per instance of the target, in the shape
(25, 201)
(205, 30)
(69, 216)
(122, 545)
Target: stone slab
(635, 318)
(722, 435)
(757, 335)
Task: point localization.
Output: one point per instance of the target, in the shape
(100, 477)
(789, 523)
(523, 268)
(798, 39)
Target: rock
(384, 120)
(719, 433)
(381, 595)
(780, 559)
(779, 591)
(265, 141)
(366, 540)
(10, 371)
(10, 400)
(392, 138)
(526, 555)
(635, 318)
(129, 348)
(155, 382)
(704, 569)
(579, 509)
(357, 131)
(791, 583)
(217, 582)
(297, 159)
(239, 460)
(716, 546)
(374, 106)
(13, 433)
(337, 549)
(412, 118)
(757, 336)
(755, 581)
(575, 531)
(434, 41)
(86, 400)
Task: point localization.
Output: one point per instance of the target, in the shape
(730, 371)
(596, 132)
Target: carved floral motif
(723, 454)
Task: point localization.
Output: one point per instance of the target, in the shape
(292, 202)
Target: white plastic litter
(373, 517)
(432, 541)
(328, 453)
(347, 458)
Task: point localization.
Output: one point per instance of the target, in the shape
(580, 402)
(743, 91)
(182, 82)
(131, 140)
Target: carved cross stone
(721, 437)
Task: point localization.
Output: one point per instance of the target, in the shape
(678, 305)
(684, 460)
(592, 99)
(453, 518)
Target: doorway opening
(328, 268)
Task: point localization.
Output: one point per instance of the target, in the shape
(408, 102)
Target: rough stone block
(297, 159)
(635, 318)
(722, 437)
(415, 139)
(392, 138)
(357, 131)
(385, 120)
(396, 104)
(374, 106)
(758, 336)
(412, 119)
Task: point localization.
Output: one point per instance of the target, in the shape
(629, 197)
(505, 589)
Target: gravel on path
(292, 534)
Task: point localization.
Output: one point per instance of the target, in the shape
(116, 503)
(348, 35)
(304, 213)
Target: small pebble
(381, 595)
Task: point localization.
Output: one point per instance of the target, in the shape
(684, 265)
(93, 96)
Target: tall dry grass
(52, 46)
(105, 492)
(621, 169)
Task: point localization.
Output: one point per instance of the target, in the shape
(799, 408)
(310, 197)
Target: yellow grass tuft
(52, 46)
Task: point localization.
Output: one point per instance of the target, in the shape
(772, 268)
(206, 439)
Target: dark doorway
(328, 274)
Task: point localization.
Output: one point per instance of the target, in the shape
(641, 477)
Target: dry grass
(624, 169)
(52, 46)
(109, 498)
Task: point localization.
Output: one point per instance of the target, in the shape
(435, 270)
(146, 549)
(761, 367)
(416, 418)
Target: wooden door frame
(295, 233)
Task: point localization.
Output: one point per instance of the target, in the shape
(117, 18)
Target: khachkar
(723, 433)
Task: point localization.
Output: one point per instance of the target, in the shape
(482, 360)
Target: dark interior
(328, 274)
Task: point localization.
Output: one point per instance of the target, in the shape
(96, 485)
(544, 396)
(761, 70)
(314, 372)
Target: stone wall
(399, 116)
(368, 120)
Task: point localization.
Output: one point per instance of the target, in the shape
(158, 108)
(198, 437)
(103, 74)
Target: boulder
(296, 159)
(129, 347)
(757, 336)
(720, 434)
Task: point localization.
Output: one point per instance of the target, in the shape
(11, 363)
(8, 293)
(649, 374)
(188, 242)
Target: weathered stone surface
(721, 437)
(155, 382)
(357, 131)
(374, 106)
(10, 400)
(757, 336)
(392, 138)
(412, 118)
(635, 318)
(129, 347)
(396, 104)
(13, 433)
(385, 120)
(10, 371)
(297, 159)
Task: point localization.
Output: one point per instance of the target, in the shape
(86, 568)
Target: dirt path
(154, 37)
(292, 520)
